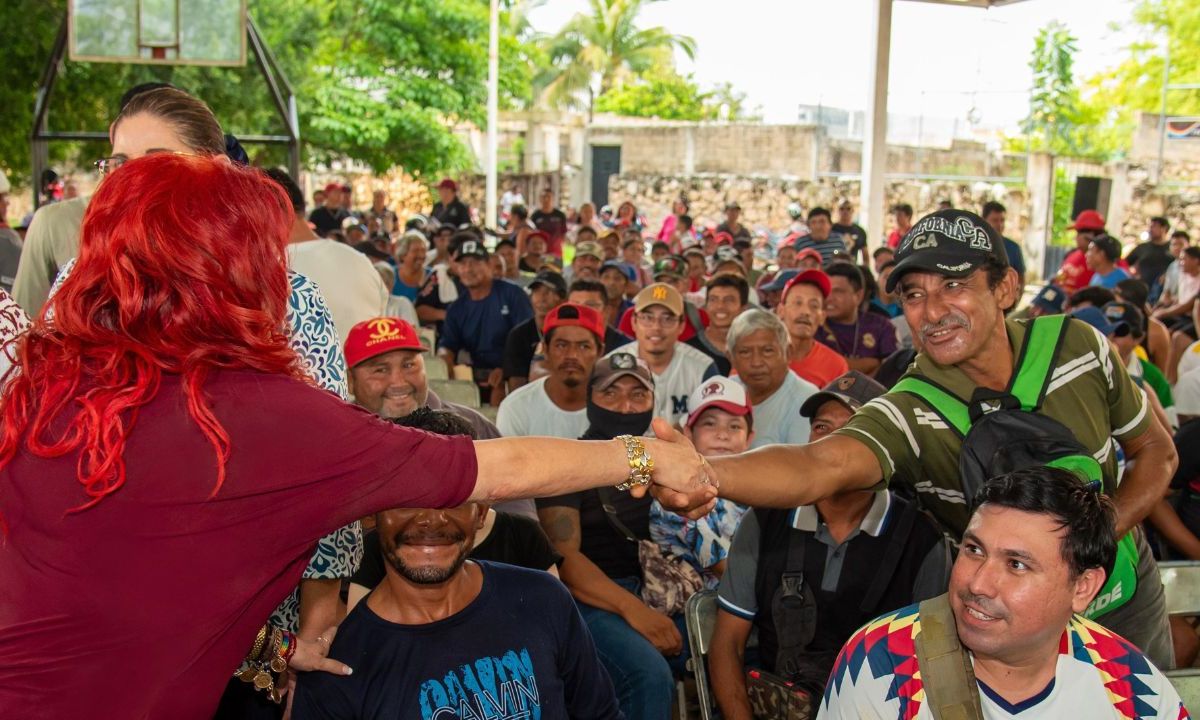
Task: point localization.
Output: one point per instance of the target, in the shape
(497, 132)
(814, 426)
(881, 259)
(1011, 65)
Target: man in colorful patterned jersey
(955, 284)
(1033, 557)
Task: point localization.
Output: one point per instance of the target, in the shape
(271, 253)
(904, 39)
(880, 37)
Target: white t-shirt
(777, 420)
(528, 410)
(1189, 285)
(346, 278)
(1099, 675)
(688, 368)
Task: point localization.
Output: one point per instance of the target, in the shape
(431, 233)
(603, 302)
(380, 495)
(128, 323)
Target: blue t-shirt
(408, 291)
(518, 650)
(1111, 279)
(1016, 258)
(481, 327)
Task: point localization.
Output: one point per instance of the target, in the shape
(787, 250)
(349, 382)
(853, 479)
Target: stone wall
(764, 201)
(689, 148)
(1178, 199)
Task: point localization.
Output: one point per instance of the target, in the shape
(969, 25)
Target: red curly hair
(182, 270)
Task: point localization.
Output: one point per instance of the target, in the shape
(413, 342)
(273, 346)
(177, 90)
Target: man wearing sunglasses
(678, 368)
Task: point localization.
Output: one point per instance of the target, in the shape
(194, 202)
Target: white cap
(1187, 394)
(1189, 361)
(721, 392)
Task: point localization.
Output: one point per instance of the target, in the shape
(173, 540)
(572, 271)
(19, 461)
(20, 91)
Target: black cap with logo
(954, 243)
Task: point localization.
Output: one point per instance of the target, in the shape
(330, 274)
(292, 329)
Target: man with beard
(444, 636)
(600, 565)
(500, 537)
(554, 405)
(386, 376)
(955, 284)
(1008, 640)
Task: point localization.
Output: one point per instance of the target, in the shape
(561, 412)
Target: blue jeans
(641, 675)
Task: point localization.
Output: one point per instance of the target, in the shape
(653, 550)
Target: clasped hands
(684, 481)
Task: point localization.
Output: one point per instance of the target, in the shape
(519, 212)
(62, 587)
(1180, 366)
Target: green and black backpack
(1003, 431)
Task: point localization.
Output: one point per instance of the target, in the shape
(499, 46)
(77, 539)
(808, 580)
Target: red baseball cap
(575, 315)
(809, 277)
(377, 336)
(448, 184)
(1089, 220)
(812, 253)
(724, 238)
(333, 186)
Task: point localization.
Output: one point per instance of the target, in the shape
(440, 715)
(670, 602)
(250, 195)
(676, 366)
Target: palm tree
(605, 46)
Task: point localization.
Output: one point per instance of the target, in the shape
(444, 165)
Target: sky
(945, 60)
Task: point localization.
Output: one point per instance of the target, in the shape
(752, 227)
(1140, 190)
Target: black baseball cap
(550, 279)
(470, 248)
(954, 243)
(852, 390)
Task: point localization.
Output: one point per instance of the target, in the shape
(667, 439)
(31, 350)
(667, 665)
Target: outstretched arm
(787, 476)
(528, 467)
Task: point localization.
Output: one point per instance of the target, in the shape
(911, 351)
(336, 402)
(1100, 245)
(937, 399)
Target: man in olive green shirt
(51, 241)
(955, 284)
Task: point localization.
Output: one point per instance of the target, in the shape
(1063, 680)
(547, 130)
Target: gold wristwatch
(641, 465)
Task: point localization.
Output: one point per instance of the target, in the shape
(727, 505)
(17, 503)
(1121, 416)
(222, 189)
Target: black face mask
(606, 424)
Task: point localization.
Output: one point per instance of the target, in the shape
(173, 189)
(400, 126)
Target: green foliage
(378, 81)
(1054, 100)
(604, 49)
(1064, 196)
(670, 96)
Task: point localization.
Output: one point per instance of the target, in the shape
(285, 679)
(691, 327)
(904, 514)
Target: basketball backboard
(167, 32)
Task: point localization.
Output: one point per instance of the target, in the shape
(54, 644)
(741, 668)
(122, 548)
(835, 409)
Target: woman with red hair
(166, 467)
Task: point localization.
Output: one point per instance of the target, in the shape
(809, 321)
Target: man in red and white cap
(386, 376)
(449, 210)
(329, 217)
(556, 405)
(1075, 273)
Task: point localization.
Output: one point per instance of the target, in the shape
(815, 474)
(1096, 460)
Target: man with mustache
(447, 636)
(1033, 556)
(802, 309)
(555, 405)
(955, 285)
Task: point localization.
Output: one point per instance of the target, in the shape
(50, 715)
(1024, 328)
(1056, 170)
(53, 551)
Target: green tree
(1054, 99)
(1135, 84)
(670, 96)
(378, 81)
(599, 51)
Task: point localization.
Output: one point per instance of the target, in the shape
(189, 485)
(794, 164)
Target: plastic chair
(435, 369)
(700, 615)
(1181, 584)
(462, 392)
(1187, 684)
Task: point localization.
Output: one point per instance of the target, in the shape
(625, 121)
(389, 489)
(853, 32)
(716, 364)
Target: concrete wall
(733, 148)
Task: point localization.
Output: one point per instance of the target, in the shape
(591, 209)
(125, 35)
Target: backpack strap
(891, 557)
(1036, 361)
(946, 671)
(946, 404)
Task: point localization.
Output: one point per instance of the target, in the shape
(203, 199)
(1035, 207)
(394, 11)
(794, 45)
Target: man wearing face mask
(600, 564)
(447, 636)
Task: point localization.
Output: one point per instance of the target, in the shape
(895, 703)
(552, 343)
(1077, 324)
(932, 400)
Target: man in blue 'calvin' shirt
(479, 320)
(443, 637)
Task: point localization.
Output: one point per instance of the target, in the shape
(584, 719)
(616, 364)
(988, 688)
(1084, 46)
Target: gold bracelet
(258, 644)
(641, 465)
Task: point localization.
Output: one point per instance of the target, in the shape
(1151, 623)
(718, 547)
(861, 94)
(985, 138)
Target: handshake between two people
(683, 480)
